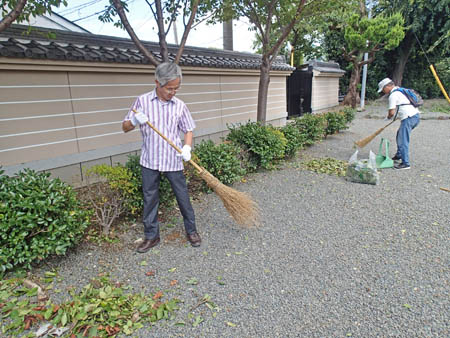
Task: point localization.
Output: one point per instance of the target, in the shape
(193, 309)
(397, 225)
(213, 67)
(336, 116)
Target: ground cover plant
(102, 308)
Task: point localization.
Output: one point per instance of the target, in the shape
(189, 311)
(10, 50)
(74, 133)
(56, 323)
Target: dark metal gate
(299, 88)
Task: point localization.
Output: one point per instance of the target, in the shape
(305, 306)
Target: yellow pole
(439, 83)
(292, 58)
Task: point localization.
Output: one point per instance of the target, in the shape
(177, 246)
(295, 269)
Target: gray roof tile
(73, 46)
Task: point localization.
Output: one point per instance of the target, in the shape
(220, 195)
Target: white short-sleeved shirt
(170, 118)
(406, 109)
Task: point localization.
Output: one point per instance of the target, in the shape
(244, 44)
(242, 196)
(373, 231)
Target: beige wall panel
(208, 126)
(32, 78)
(101, 142)
(8, 111)
(213, 116)
(107, 91)
(100, 130)
(37, 153)
(33, 94)
(102, 104)
(82, 78)
(244, 94)
(40, 138)
(102, 117)
(233, 79)
(30, 125)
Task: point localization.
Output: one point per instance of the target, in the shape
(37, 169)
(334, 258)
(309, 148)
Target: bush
(312, 127)
(220, 160)
(295, 139)
(166, 195)
(265, 144)
(110, 197)
(336, 122)
(349, 114)
(38, 217)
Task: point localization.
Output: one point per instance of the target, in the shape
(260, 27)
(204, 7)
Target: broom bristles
(365, 141)
(238, 204)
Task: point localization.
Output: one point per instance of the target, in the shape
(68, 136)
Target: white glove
(139, 118)
(185, 153)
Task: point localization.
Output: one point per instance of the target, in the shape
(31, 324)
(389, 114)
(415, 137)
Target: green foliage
(312, 126)
(101, 309)
(166, 195)
(107, 192)
(349, 113)
(136, 201)
(336, 121)
(295, 139)
(220, 160)
(362, 33)
(265, 144)
(38, 217)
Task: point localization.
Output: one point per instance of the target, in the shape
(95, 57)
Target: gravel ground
(331, 259)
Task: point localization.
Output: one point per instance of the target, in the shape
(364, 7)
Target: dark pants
(150, 188)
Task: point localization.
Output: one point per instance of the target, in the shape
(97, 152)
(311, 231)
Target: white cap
(383, 83)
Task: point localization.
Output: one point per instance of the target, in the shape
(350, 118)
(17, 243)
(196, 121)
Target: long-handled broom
(365, 141)
(238, 204)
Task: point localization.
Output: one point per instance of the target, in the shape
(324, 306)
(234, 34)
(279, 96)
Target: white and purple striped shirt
(170, 118)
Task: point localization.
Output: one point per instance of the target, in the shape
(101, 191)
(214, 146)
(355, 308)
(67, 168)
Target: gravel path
(332, 258)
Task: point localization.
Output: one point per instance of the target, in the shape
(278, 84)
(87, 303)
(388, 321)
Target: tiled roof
(73, 46)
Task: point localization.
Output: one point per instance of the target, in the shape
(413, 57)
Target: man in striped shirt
(170, 116)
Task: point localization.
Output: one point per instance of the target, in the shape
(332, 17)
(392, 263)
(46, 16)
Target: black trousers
(150, 187)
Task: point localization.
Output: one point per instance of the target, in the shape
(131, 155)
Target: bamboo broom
(365, 141)
(238, 204)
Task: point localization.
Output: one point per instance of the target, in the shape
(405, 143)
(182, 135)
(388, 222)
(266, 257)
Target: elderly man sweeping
(171, 116)
(409, 116)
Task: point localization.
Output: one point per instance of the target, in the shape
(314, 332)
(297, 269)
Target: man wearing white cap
(407, 113)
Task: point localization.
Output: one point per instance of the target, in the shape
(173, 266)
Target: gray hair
(167, 71)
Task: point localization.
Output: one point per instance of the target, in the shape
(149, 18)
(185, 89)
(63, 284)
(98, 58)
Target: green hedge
(39, 217)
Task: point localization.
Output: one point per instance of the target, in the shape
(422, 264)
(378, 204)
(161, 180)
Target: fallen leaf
(173, 282)
(157, 295)
(231, 324)
(150, 273)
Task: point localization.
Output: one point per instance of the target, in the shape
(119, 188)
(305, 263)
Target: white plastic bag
(363, 171)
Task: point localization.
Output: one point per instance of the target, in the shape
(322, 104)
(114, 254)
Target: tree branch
(187, 29)
(273, 52)
(13, 15)
(138, 43)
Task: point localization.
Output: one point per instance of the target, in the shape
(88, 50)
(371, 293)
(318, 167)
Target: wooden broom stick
(238, 204)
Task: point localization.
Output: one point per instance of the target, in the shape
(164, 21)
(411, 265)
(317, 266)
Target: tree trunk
(404, 50)
(263, 89)
(352, 95)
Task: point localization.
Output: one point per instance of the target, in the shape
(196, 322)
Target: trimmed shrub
(336, 122)
(220, 160)
(108, 193)
(349, 114)
(265, 144)
(312, 127)
(39, 217)
(295, 139)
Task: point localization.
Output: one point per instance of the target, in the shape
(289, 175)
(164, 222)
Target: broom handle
(195, 165)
